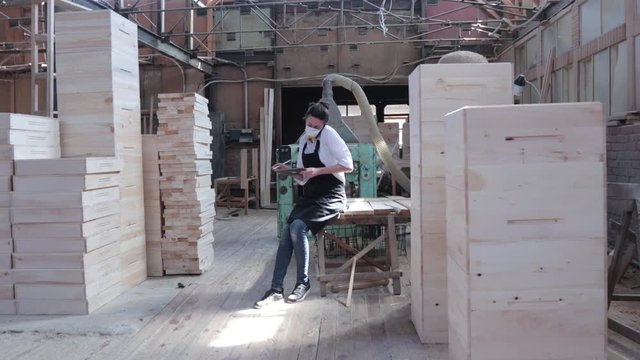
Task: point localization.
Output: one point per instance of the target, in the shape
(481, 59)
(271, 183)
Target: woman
(325, 158)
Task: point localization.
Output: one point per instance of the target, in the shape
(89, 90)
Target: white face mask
(311, 133)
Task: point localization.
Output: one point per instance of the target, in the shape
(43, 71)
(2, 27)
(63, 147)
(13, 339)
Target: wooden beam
(489, 10)
(546, 80)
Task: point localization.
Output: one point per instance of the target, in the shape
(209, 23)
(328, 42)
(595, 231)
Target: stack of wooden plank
(266, 149)
(526, 232)
(435, 90)
(152, 205)
(21, 137)
(99, 112)
(185, 184)
(65, 216)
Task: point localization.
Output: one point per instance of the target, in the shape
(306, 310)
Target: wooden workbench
(385, 211)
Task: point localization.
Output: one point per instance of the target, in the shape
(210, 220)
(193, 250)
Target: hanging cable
(383, 27)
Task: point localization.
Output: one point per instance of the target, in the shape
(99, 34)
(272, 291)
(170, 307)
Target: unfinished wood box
(435, 90)
(526, 232)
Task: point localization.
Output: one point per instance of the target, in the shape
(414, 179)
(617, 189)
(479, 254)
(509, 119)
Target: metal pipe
(50, 57)
(246, 87)
(381, 42)
(378, 140)
(34, 58)
(336, 27)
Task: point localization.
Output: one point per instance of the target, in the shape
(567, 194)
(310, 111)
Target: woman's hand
(311, 172)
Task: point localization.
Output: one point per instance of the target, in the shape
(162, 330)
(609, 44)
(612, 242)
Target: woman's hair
(318, 110)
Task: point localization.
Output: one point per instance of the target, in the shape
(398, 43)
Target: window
(590, 24)
(618, 61)
(557, 35)
(532, 52)
(612, 15)
(564, 42)
(598, 17)
(353, 110)
(601, 78)
(585, 79)
(561, 85)
(549, 39)
(521, 59)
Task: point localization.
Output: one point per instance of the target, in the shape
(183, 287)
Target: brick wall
(623, 153)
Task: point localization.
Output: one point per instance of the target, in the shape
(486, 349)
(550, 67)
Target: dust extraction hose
(378, 140)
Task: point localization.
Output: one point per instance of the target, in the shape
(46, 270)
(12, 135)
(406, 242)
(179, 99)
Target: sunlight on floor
(251, 325)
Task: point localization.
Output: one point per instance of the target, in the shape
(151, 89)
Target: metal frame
(413, 28)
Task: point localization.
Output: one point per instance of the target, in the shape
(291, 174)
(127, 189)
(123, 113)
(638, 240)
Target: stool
(225, 186)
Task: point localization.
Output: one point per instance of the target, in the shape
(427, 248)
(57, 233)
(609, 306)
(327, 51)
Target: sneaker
(299, 293)
(270, 297)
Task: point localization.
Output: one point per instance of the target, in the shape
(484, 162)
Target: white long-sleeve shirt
(333, 151)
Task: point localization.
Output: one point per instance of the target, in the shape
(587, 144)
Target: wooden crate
(435, 90)
(69, 166)
(31, 123)
(44, 244)
(526, 232)
(65, 199)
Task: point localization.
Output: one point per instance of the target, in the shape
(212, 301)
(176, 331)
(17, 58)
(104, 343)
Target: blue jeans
(293, 239)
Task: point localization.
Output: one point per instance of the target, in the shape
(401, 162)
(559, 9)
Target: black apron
(323, 197)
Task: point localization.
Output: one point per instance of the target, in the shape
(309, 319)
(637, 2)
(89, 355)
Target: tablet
(289, 171)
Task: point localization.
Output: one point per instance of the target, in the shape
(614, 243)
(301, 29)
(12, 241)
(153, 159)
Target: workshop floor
(211, 317)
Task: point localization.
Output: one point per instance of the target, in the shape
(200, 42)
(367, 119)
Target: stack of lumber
(21, 137)
(526, 232)
(65, 216)
(99, 112)
(7, 304)
(435, 90)
(152, 205)
(185, 184)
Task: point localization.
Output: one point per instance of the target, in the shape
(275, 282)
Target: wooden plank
(153, 206)
(14, 152)
(64, 183)
(8, 307)
(28, 122)
(66, 245)
(268, 147)
(68, 166)
(21, 200)
(66, 214)
(65, 230)
(30, 138)
(358, 207)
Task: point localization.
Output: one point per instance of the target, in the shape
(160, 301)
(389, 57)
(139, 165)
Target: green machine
(361, 182)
